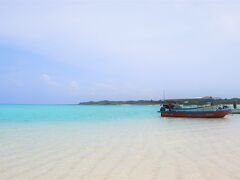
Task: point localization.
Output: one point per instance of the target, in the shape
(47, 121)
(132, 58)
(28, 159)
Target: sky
(70, 51)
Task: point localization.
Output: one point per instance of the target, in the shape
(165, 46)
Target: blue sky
(70, 51)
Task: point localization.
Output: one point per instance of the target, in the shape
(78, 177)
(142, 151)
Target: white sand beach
(156, 149)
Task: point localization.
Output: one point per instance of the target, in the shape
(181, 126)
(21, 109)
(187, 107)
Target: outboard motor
(234, 105)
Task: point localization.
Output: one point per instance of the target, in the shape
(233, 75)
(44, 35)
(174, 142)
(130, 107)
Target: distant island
(192, 101)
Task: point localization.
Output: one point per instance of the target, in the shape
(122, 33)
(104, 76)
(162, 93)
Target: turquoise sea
(77, 113)
(115, 142)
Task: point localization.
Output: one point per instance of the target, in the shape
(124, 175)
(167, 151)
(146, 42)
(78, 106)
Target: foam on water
(114, 142)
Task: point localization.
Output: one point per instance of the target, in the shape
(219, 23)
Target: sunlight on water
(114, 142)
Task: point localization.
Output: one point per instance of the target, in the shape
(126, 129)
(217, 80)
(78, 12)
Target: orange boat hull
(211, 114)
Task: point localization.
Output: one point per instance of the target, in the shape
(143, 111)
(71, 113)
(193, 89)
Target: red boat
(170, 110)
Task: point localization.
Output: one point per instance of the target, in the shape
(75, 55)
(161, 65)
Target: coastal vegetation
(106, 102)
(194, 101)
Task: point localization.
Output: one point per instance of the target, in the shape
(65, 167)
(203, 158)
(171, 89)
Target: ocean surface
(115, 142)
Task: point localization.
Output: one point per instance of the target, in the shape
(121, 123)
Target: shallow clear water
(56, 113)
(114, 142)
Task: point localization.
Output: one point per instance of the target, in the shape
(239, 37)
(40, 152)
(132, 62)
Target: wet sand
(160, 148)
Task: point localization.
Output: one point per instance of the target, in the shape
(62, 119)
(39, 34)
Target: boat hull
(210, 114)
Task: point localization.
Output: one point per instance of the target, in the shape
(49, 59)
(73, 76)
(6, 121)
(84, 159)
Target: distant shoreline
(118, 104)
(199, 101)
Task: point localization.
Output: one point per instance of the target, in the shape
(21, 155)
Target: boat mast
(163, 95)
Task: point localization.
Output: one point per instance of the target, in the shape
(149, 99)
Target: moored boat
(171, 110)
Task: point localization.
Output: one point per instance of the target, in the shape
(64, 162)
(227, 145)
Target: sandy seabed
(168, 149)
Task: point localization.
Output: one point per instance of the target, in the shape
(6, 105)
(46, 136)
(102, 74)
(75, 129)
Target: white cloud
(229, 24)
(74, 87)
(48, 80)
(117, 33)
